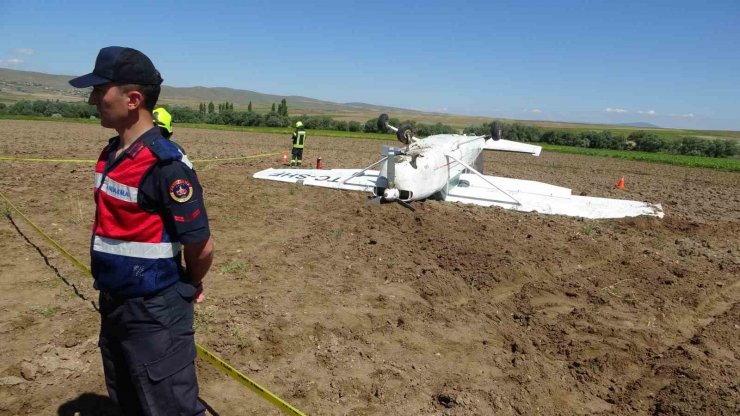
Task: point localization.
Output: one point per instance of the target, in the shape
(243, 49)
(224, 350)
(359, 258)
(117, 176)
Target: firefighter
(163, 119)
(299, 139)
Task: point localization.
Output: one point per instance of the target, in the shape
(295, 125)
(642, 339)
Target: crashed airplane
(448, 167)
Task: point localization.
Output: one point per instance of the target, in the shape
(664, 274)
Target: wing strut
(363, 170)
(470, 168)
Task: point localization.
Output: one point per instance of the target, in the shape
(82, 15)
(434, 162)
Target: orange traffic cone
(620, 184)
(285, 158)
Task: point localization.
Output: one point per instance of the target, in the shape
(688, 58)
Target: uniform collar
(145, 139)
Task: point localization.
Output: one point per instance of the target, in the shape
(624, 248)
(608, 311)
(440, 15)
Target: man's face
(112, 104)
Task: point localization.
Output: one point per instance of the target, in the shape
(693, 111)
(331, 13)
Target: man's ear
(135, 99)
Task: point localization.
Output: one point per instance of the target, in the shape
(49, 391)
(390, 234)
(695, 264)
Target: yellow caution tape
(235, 158)
(54, 244)
(225, 159)
(202, 352)
(246, 381)
(28, 159)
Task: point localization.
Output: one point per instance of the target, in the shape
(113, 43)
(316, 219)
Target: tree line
(278, 116)
(640, 140)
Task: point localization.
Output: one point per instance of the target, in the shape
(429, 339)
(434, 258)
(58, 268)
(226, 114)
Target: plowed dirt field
(345, 309)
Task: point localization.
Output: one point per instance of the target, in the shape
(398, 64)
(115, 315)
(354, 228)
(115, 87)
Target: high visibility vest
(132, 253)
(299, 137)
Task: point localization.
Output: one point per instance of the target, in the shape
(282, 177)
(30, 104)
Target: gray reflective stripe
(116, 190)
(185, 159)
(132, 249)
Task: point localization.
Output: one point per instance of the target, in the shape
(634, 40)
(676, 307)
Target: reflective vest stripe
(300, 138)
(186, 160)
(116, 190)
(133, 249)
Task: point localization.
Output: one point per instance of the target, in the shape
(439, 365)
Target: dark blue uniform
(147, 338)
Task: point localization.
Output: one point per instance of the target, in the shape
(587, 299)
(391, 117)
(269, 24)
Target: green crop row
(729, 164)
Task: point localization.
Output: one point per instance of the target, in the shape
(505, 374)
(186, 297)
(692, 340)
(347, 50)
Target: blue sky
(671, 63)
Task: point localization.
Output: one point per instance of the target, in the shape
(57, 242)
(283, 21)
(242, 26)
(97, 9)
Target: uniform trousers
(297, 155)
(148, 349)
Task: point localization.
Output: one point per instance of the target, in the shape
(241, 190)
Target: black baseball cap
(120, 65)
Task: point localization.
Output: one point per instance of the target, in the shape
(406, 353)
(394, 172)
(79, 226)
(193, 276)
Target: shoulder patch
(181, 190)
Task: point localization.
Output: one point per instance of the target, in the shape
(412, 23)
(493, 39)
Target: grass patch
(79, 217)
(47, 312)
(288, 130)
(587, 229)
(671, 134)
(202, 317)
(233, 267)
(42, 118)
(241, 340)
(729, 164)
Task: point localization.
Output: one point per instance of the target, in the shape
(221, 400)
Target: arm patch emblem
(181, 190)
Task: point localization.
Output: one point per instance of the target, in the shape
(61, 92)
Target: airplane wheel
(383, 122)
(404, 135)
(496, 130)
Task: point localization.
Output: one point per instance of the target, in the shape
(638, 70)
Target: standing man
(299, 137)
(149, 216)
(163, 119)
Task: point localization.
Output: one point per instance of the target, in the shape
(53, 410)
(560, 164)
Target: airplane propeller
(385, 186)
(377, 200)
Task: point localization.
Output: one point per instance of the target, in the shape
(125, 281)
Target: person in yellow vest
(299, 138)
(163, 119)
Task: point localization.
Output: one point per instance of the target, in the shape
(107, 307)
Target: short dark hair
(150, 93)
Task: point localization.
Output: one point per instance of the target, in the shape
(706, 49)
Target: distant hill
(26, 85)
(639, 124)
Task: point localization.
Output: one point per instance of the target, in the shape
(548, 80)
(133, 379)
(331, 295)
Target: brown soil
(344, 309)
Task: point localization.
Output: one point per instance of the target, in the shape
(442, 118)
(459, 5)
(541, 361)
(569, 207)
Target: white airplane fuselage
(448, 167)
(425, 169)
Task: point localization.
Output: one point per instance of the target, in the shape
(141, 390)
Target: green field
(729, 164)
(625, 131)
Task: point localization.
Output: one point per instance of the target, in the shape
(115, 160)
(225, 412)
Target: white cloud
(648, 112)
(534, 111)
(616, 110)
(11, 61)
(25, 51)
(689, 115)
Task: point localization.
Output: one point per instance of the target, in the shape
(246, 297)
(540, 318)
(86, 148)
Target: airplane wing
(345, 179)
(532, 196)
(512, 146)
